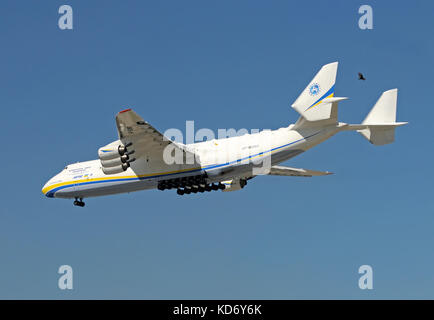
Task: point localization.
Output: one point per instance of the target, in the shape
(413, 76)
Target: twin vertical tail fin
(317, 105)
(384, 110)
(317, 101)
(379, 125)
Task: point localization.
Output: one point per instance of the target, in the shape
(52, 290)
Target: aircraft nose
(45, 190)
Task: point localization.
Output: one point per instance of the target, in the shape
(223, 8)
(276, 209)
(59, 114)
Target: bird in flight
(361, 77)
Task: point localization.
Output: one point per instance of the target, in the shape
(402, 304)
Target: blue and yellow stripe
(330, 93)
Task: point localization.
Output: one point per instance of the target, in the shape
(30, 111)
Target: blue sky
(224, 64)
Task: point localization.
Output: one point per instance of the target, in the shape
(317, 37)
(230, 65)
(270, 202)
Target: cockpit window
(66, 168)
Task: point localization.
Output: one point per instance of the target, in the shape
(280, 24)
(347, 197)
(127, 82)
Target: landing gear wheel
(243, 183)
(79, 203)
(180, 192)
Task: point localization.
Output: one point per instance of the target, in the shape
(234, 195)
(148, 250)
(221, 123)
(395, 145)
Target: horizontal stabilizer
(295, 172)
(379, 135)
(358, 127)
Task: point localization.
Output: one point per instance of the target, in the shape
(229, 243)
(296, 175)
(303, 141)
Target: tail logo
(314, 89)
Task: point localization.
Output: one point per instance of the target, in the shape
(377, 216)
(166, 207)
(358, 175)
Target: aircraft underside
(228, 178)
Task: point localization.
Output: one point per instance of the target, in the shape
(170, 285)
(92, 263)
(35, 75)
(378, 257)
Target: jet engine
(115, 157)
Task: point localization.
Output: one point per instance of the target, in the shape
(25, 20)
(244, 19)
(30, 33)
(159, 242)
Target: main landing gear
(200, 188)
(187, 185)
(78, 202)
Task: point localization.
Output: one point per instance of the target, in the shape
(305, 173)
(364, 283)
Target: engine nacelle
(115, 157)
(107, 153)
(123, 149)
(234, 185)
(115, 162)
(113, 170)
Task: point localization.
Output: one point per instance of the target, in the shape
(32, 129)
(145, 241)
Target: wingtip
(126, 110)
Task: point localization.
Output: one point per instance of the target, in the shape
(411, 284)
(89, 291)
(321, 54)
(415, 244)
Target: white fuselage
(219, 160)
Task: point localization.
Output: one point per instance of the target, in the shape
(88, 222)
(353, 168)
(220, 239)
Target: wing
(295, 172)
(145, 138)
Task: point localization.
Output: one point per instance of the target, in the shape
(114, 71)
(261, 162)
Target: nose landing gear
(78, 202)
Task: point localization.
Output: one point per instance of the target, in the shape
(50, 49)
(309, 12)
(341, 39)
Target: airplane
(143, 158)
